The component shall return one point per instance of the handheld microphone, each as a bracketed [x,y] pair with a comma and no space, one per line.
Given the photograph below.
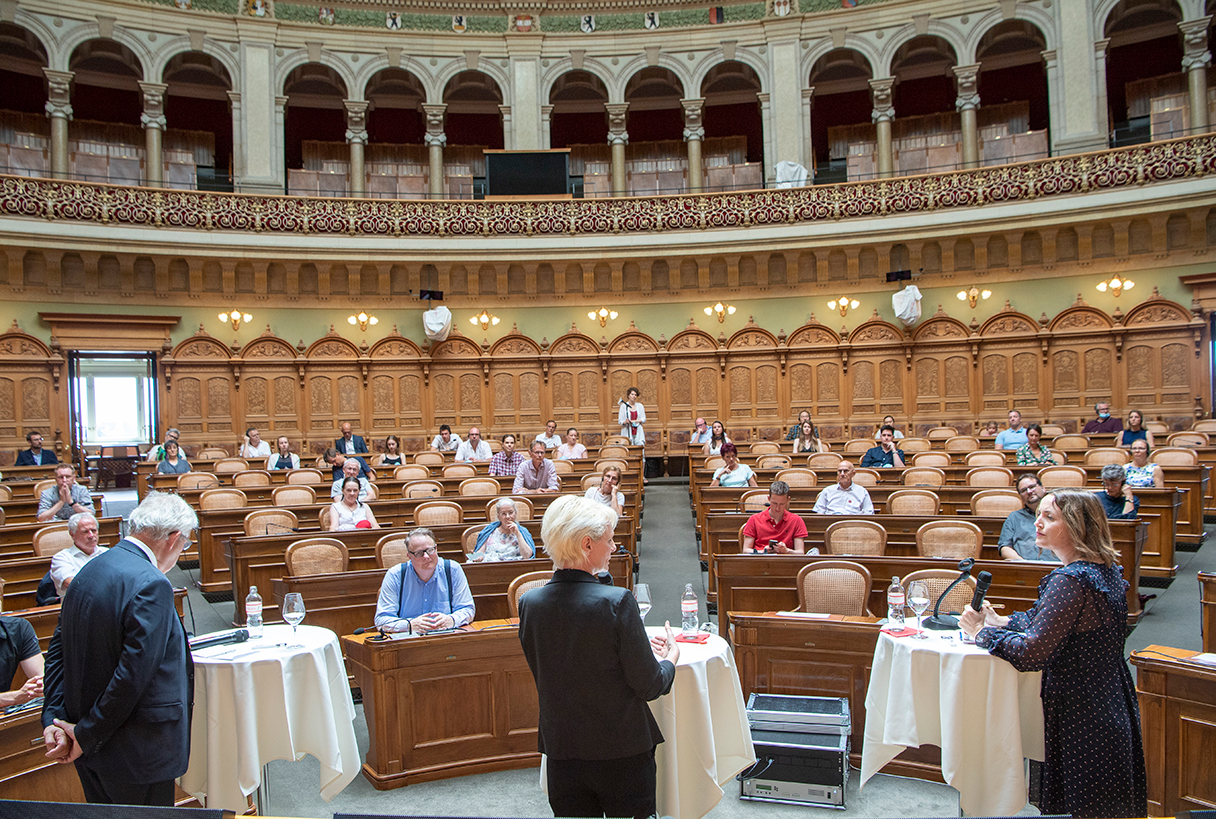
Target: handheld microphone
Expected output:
[982,582]
[221,638]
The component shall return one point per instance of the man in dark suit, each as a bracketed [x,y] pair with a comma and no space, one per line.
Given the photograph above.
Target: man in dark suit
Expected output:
[119,679]
[35,455]
[595,671]
[350,444]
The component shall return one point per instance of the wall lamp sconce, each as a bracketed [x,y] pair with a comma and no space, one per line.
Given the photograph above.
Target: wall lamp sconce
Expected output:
[602,315]
[845,303]
[1115,285]
[236,318]
[484,320]
[722,311]
[974,295]
[363,321]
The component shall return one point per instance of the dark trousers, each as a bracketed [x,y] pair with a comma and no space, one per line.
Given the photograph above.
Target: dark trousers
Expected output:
[603,787]
[106,791]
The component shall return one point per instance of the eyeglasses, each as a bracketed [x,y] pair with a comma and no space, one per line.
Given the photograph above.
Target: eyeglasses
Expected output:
[427,552]
[1029,488]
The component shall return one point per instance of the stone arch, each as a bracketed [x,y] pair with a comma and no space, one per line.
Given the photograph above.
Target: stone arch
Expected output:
[372,66]
[639,64]
[990,20]
[825,46]
[1105,8]
[104,50]
[490,68]
[300,58]
[91,31]
[702,68]
[56,56]
[562,67]
[938,29]
[182,45]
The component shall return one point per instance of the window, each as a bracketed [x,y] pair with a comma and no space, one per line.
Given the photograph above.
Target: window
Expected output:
[114,397]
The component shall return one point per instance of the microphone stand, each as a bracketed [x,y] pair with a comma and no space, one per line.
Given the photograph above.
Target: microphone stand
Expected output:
[944,622]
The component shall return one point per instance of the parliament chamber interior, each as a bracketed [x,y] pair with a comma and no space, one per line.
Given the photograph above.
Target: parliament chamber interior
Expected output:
[290,217]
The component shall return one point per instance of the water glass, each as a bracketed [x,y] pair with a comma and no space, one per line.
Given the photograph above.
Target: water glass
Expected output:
[641,591]
[293,609]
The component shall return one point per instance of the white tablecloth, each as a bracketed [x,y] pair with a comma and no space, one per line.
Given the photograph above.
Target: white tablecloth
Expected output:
[278,697]
[982,713]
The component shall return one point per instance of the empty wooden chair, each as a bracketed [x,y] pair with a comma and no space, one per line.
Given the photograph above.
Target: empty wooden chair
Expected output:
[604,463]
[797,476]
[1059,456]
[1070,441]
[479,486]
[270,522]
[211,453]
[834,587]
[990,476]
[954,539]
[323,518]
[773,462]
[1191,439]
[293,496]
[412,472]
[941,433]
[1205,425]
[495,446]
[824,460]
[197,480]
[1103,455]
[909,445]
[962,443]
[415,490]
[857,446]
[563,467]
[714,463]
[6,494]
[459,471]
[614,451]
[762,448]
[391,550]
[45,484]
[1175,456]
[316,555]
[985,457]
[523,508]
[939,459]
[995,503]
[50,539]
[223,498]
[2,518]
[938,580]
[429,459]
[617,440]
[914,503]
[923,476]
[1055,476]
[1052,430]
[524,584]
[228,466]
[855,537]
[1157,427]
[306,476]
[866,477]
[753,500]
[251,477]
[438,513]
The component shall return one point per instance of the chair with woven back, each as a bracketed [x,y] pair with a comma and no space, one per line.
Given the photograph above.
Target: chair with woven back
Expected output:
[753,500]
[589,481]
[954,539]
[1175,456]
[251,477]
[985,457]
[391,550]
[857,446]
[197,480]
[995,503]
[614,451]
[45,484]
[524,584]
[923,476]
[460,471]
[6,494]
[523,509]
[1103,455]
[373,492]
[715,462]
[765,448]
[479,486]
[1070,441]
[774,462]
[411,472]
[824,460]
[617,440]
[317,555]
[1205,425]
[415,490]
[230,466]
[293,496]
[495,445]
[914,503]
[938,580]
[1056,476]
[866,476]
[438,513]
[855,537]
[938,459]
[1052,430]
[429,459]
[306,476]
[915,444]
[1157,427]
[797,476]
[270,522]
[563,467]
[50,539]
[941,433]
[468,538]
[834,587]
[962,443]
[1191,439]
[223,498]
[211,453]
[990,476]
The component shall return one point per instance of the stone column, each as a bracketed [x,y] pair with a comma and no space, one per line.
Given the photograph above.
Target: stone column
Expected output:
[59,109]
[508,128]
[967,103]
[884,112]
[808,152]
[694,134]
[618,138]
[767,139]
[435,140]
[153,120]
[356,138]
[1195,61]
[238,157]
[546,125]
[1055,95]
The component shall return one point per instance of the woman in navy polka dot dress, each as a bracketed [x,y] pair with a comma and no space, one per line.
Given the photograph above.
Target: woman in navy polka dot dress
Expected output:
[1074,633]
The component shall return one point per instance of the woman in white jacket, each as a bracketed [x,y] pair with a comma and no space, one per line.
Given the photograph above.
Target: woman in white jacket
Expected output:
[632,416]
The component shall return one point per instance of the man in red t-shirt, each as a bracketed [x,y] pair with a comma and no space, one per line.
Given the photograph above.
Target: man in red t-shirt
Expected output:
[775,529]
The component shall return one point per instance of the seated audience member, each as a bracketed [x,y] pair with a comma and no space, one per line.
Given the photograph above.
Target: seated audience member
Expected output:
[717,438]
[572,449]
[252,445]
[1116,496]
[445,441]
[174,463]
[990,430]
[885,454]
[1103,423]
[733,474]
[607,492]
[349,443]
[505,463]
[1135,431]
[474,449]
[1032,452]
[65,498]
[1139,472]
[700,433]
[889,421]
[537,475]
[158,452]
[349,511]
[1013,437]
[424,593]
[19,649]
[844,497]
[504,539]
[808,440]
[341,463]
[35,455]
[283,458]
[392,453]
[1018,536]
[550,438]
[803,417]
[775,529]
[82,527]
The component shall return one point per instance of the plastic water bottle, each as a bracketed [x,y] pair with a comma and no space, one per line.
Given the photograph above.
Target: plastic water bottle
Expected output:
[688,608]
[253,613]
[895,604]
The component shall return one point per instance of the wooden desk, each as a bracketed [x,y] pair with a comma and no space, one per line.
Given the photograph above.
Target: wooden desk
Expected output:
[1207,609]
[25,771]
[17,539]
[1178,723]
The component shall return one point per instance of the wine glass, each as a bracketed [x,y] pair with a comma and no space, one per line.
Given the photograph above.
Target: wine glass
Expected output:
[918,599]
[642,592]
[293,609]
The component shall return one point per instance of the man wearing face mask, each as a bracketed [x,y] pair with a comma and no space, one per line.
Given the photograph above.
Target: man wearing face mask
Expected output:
[1103,423]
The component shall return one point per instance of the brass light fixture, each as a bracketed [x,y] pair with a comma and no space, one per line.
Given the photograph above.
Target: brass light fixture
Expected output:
[722,311]
[484,320]
[1116,285]
[602,315]
[236,318]
[363,320]
[974,295]
[845,303]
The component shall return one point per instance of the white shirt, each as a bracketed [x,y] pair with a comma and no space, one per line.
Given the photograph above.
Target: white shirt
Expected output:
[549,441]
[466,452]
[67,562]
[453,443]
[836,501]
[262,450]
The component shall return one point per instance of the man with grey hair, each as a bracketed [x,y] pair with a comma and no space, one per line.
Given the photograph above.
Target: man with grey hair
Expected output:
[774,529]
[1116,496]
[119,681]
[424,593]
[68,562]
[537,475]
[595,671]
[351,468]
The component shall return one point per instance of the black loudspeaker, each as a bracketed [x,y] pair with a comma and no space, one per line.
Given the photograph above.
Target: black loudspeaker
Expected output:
[18,809]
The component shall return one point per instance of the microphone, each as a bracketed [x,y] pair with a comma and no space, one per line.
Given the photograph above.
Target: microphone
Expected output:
[944,622]
[366,629]
[982,582]
[221,638]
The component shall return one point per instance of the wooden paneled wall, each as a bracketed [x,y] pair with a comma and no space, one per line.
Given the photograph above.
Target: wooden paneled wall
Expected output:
[940,372]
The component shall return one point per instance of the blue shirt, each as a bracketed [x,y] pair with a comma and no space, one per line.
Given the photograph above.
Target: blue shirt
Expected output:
[877,456]
[397,604]
[1011,438]
[1114,506]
